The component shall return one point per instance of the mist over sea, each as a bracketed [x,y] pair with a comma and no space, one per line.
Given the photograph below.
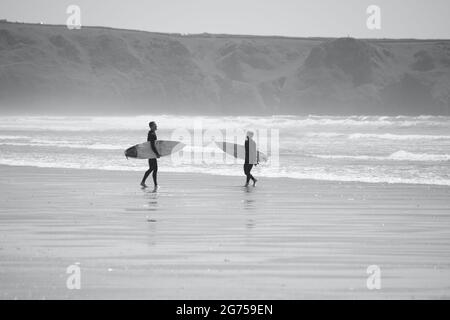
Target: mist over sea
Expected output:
[373,149]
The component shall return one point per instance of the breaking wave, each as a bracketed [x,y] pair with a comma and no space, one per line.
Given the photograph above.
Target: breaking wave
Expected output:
[396,156]
[170,122]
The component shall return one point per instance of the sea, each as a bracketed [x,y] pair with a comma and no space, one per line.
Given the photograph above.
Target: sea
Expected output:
[373,149]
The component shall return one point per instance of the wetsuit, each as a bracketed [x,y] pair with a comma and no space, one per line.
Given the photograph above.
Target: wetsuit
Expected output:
[152,163]
[250,158]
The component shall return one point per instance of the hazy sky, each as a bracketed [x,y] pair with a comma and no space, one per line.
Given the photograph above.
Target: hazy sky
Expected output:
[400,18]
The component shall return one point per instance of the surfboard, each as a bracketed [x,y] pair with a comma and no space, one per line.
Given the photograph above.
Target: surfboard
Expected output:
[238,151]
[144,150]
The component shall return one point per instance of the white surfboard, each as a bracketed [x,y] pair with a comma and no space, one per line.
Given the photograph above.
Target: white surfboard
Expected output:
[144,150]
[238,151]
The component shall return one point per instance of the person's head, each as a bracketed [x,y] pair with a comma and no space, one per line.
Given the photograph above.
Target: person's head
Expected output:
[250,134]
[153,125]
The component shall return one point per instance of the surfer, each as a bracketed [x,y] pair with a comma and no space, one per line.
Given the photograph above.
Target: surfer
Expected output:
[152,163]
[251,158]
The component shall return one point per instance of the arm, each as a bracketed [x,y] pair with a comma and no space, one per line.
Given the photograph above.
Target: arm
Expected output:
[152,138]
[256,152]
[152,144]
[257,157]
[246,150]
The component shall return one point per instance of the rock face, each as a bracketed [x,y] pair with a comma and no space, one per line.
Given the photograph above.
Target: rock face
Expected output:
[50,69]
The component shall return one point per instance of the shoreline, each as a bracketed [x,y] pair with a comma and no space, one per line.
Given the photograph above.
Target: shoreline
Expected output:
[208,174]
[200,237]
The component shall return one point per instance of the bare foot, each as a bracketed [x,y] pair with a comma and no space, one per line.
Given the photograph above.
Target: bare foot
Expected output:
[143,185]
[254,182]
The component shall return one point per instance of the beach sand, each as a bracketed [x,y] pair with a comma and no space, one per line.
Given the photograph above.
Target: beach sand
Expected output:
[207,237]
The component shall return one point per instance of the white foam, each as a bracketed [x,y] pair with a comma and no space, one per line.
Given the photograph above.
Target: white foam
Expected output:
[7,137]
[306,174]
[396,156]
[371,179]
[170,122]
[388,136]
[64,144]
[324,134]
[408,156]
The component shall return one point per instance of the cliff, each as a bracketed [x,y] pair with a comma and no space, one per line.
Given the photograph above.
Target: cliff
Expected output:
[95,70]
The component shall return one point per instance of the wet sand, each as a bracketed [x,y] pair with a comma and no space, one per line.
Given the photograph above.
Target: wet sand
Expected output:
[207,237]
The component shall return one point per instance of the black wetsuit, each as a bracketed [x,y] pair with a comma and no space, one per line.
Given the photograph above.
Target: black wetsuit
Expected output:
[250,146]
[152,163]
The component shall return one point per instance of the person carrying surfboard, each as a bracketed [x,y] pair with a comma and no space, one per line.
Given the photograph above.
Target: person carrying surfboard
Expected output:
[251,158]
[152,163]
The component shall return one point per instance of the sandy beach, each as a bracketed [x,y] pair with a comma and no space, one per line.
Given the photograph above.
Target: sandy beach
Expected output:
[207,237]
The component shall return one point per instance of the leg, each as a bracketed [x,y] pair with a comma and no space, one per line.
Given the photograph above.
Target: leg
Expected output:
[154,167]
[251,176]
[247,173]
[147,173]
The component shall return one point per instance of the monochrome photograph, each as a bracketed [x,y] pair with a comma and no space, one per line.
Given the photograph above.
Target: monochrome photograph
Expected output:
[224,150]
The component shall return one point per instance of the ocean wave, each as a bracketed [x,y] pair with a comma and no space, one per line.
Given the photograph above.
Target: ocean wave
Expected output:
[389,136]
[306,174]
[324,134]
[7,137]
[396,156]
[99,146]
[408,156]
[383,136]
[68,144]
[171,122]
[371,179]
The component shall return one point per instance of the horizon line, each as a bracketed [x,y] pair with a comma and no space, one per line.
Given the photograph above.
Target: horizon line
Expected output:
[207,34]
